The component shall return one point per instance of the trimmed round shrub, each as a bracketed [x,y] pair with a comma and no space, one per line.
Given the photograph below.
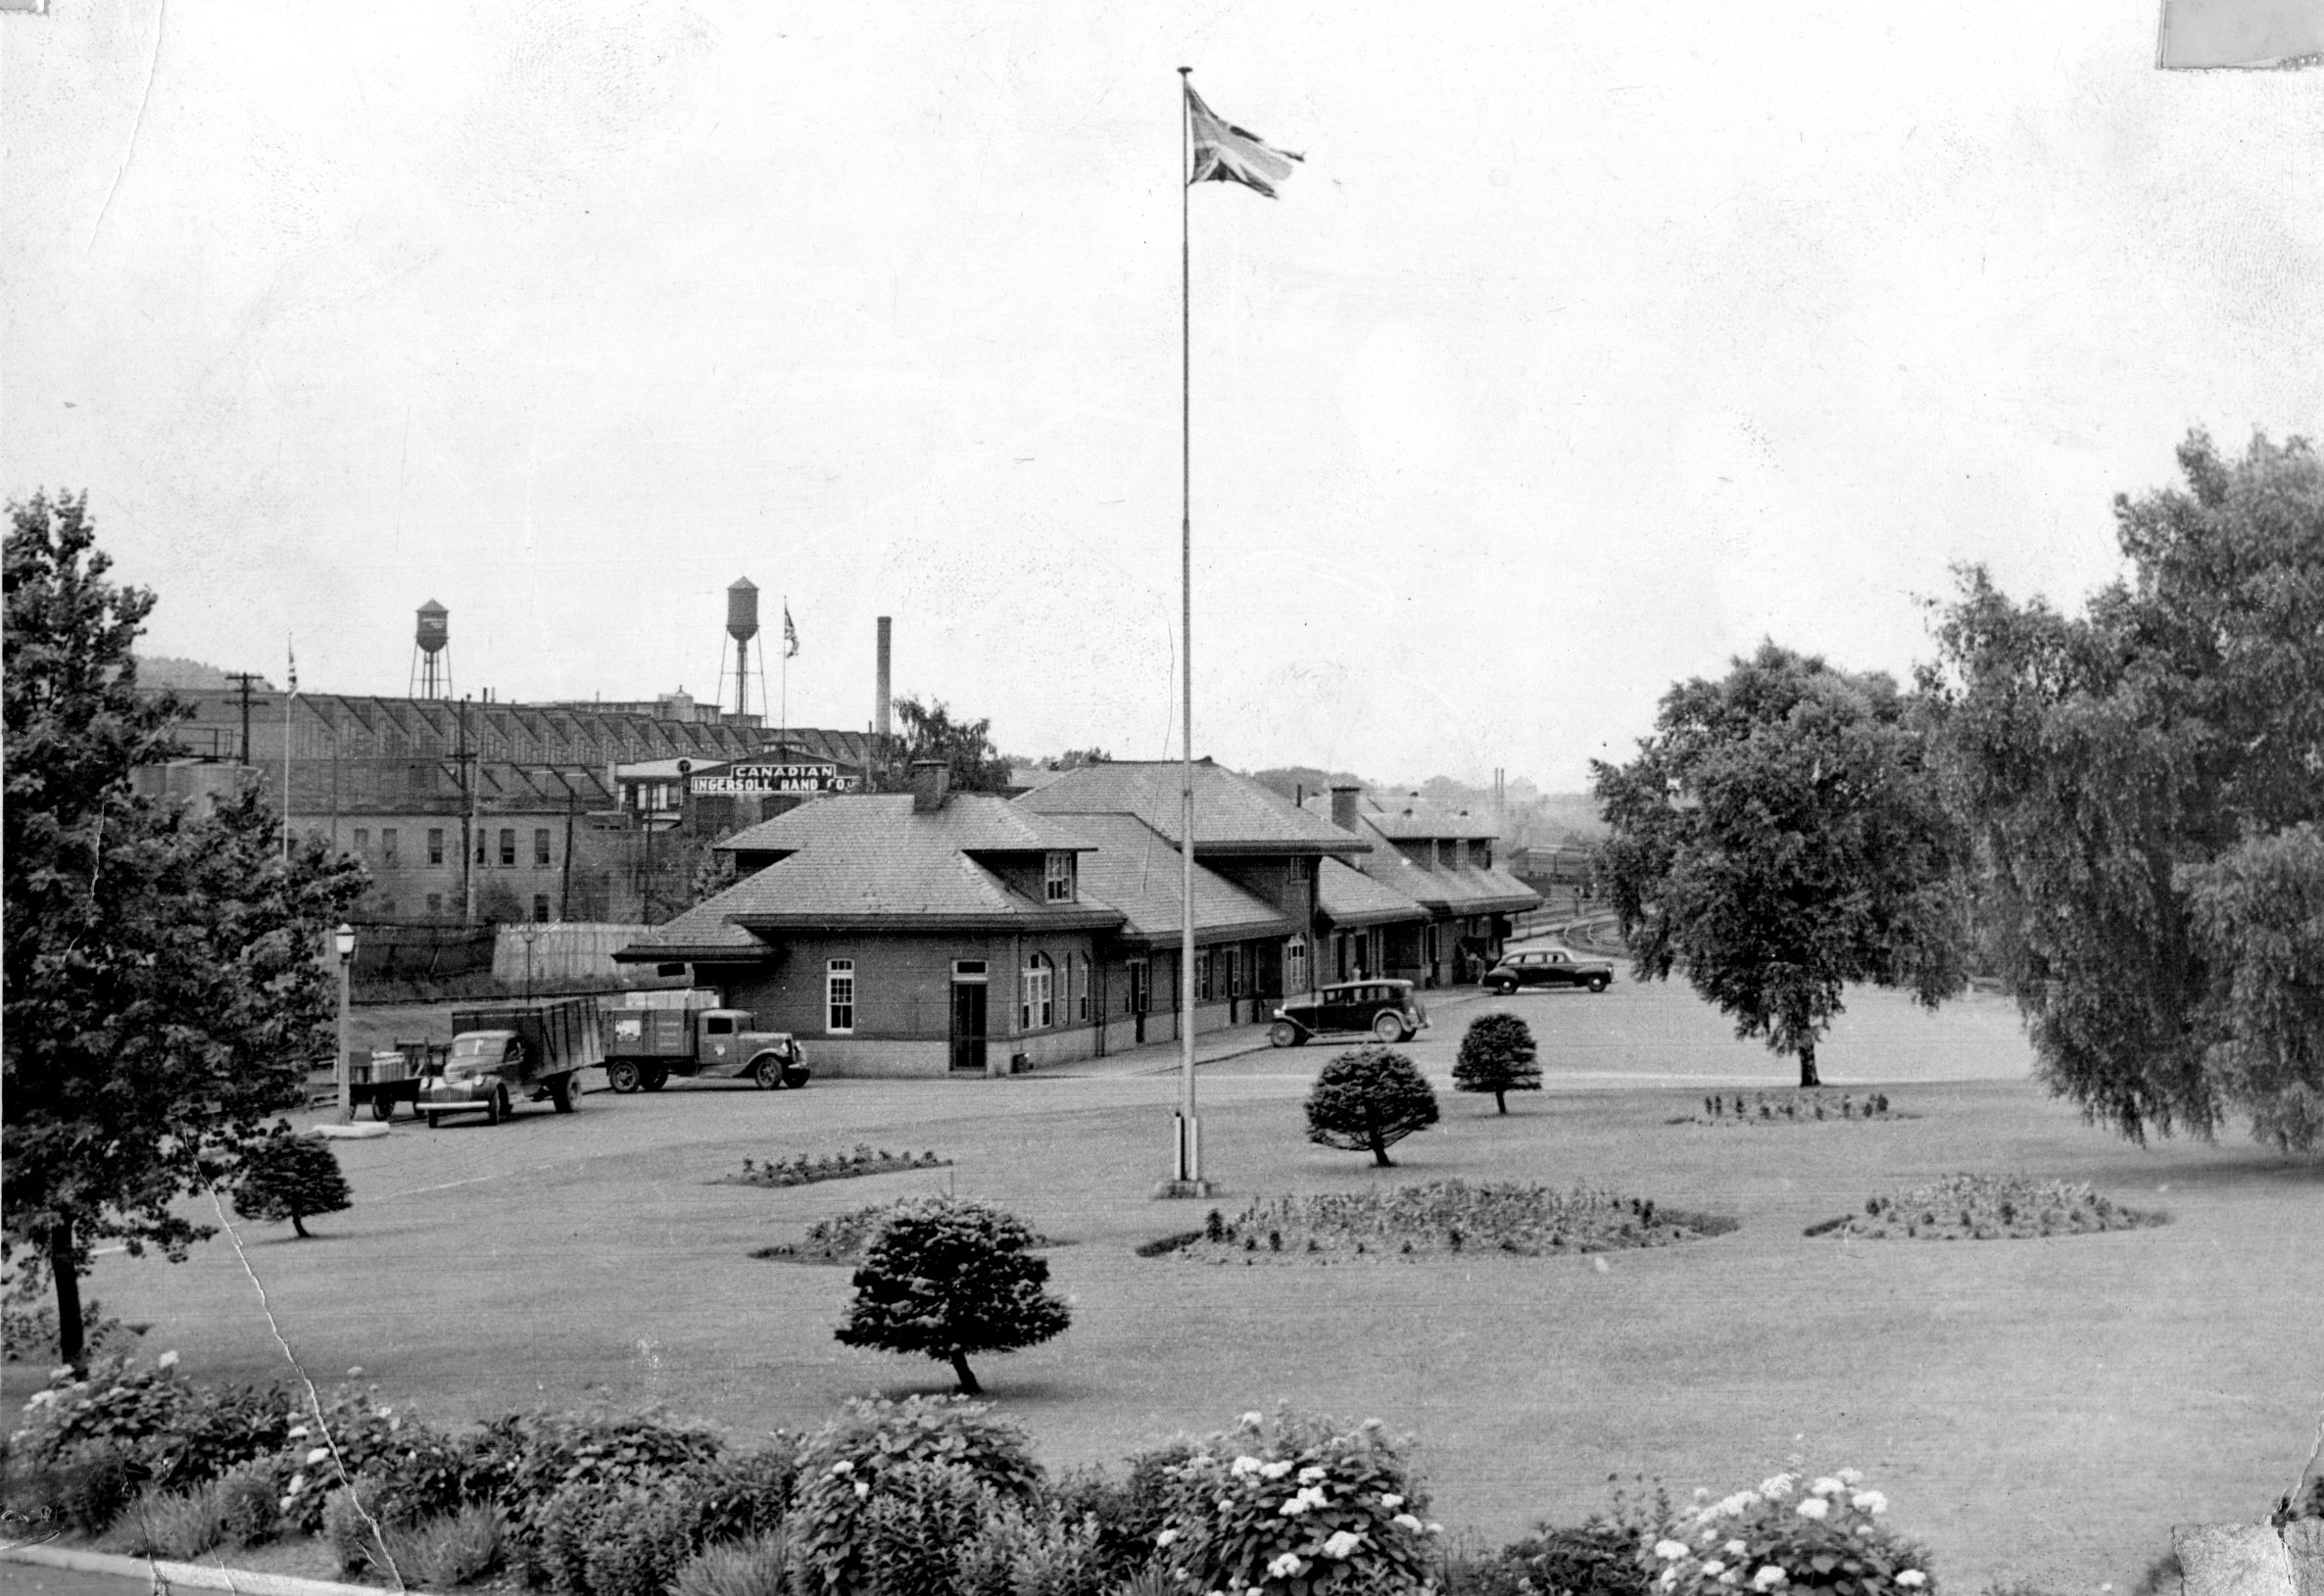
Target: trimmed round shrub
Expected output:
[946,1278]
[1497,1055]
[290,1176]
[1369,1099]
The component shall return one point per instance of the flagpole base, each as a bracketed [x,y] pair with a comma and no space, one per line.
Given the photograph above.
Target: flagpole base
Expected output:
[1186,1179]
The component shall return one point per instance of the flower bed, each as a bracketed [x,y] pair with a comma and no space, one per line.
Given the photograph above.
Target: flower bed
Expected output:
[1781,1536]
[843,1238]
[1988,1208]
[1440,1217]
[1790,1108]
[847,1166]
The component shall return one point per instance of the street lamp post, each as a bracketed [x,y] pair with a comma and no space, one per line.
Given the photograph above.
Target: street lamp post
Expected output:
[343,940]
[531,930]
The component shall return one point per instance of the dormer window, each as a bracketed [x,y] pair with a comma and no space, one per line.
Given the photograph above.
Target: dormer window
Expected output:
[1058,878]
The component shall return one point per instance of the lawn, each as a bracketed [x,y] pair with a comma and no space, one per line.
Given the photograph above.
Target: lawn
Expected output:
[2040,1409]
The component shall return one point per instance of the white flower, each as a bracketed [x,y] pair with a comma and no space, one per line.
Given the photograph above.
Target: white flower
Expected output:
[1253,1418]
[1852,1477]
[1293,1506]
[1670,1550]
[1277,1469]
[286,1504]
[1715,1567]
[1911,1578]
[1436,1528]
[1310,1475]
[298,1484]
[1405,1521]
[1284,1567]
[61,1372]
[1246,1466]
[1341,1544]
[296,1432]
[1815,1507]
[1390,1500]
[321,1454]
[41,1399]
[357,1373]
[1829,1487]
[1166,1537]
[1868,1502]
[1734,1548]
[168,1360]
[842,1467]
[862,1489]
[1776,1485]
[1768,1578]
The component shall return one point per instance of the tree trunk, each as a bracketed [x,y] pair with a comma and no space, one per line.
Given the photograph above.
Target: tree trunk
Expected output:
[70,1333]
[1808,1075]
[297,1224]
[1379,1151]
[1501,1101]
[968,1378]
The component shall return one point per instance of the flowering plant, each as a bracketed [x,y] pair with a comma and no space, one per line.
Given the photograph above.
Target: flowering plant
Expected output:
[1789,1533]
[1295,1505]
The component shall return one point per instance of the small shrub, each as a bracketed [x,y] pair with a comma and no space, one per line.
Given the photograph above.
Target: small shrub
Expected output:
[1296,1502]
[918,1528]
[519,1462]
[247,1505]
[449,1549]
[1369,1099]
[641,1536]
[948,1277]
[1826,1536]
[179,1525]
[744,1495]
[1045,1552]
[287,1176]
[846,1465]
[757,1566]
[1497,1055]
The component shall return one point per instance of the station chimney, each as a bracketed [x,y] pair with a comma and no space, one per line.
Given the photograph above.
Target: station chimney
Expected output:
[741,624]
[432,670]
[880,723]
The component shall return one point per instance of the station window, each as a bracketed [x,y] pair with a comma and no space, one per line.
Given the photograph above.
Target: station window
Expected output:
[508,845]
[838,992]
[1058,878]
[1077,970]
[541,908]
[1203,964]
[435,845]
[1295,965]
[1037,994]
[362,838]
[540,845]
[387,844]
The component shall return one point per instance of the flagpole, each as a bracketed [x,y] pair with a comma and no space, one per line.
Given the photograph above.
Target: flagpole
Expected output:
[291,653]
[782,679]
[1190,1181]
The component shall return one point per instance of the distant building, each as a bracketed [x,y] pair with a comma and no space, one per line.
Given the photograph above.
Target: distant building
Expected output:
[1443,861]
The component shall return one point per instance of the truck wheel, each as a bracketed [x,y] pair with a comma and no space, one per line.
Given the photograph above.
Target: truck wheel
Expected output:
[496,1106]
[383,1108]
[624,1077]
[794,1076]
[655,1080]
[435,1121]
[566,1094]
[768,1072]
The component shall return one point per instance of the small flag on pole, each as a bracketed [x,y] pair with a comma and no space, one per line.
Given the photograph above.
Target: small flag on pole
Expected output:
[1227,154]
[790,633]
[292,650]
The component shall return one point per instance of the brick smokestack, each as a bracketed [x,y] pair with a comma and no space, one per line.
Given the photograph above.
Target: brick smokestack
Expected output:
[880,724]
[930,776]
[1343,806]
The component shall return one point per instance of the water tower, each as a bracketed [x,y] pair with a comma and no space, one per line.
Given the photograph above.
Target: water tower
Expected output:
[431,666]
[741,624]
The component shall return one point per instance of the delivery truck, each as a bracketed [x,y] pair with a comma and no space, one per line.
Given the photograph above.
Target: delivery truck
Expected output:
[645,1046]
[514,1052]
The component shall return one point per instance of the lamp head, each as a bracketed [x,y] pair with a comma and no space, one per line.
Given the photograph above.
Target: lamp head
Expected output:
[343,940]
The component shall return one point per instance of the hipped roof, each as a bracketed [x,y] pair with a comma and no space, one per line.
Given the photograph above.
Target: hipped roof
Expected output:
[1232,814]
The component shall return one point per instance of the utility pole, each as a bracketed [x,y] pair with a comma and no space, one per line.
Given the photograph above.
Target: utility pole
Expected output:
[467,820]
[242,679]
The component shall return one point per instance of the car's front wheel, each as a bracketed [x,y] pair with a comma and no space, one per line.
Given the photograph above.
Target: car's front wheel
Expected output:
[1597,983]
[1390,1027]
[1283,1033]
[1505,987]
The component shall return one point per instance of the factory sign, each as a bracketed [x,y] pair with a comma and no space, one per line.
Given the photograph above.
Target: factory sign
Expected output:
[800,778]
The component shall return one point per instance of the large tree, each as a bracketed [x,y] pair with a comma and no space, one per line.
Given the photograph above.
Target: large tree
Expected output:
[1780,837]
[929,731]
[2147,784]
[165,988]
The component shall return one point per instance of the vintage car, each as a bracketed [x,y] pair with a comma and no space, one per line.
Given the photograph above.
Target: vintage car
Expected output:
[1384,1009]
[1548,967]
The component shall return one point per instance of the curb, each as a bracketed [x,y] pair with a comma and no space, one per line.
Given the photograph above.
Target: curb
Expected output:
[160,1575]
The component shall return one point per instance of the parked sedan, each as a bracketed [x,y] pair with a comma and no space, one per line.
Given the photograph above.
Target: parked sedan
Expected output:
[1548,967]
[1384,1009]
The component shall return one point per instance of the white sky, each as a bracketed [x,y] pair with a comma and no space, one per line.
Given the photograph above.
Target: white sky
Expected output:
[1593,342]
